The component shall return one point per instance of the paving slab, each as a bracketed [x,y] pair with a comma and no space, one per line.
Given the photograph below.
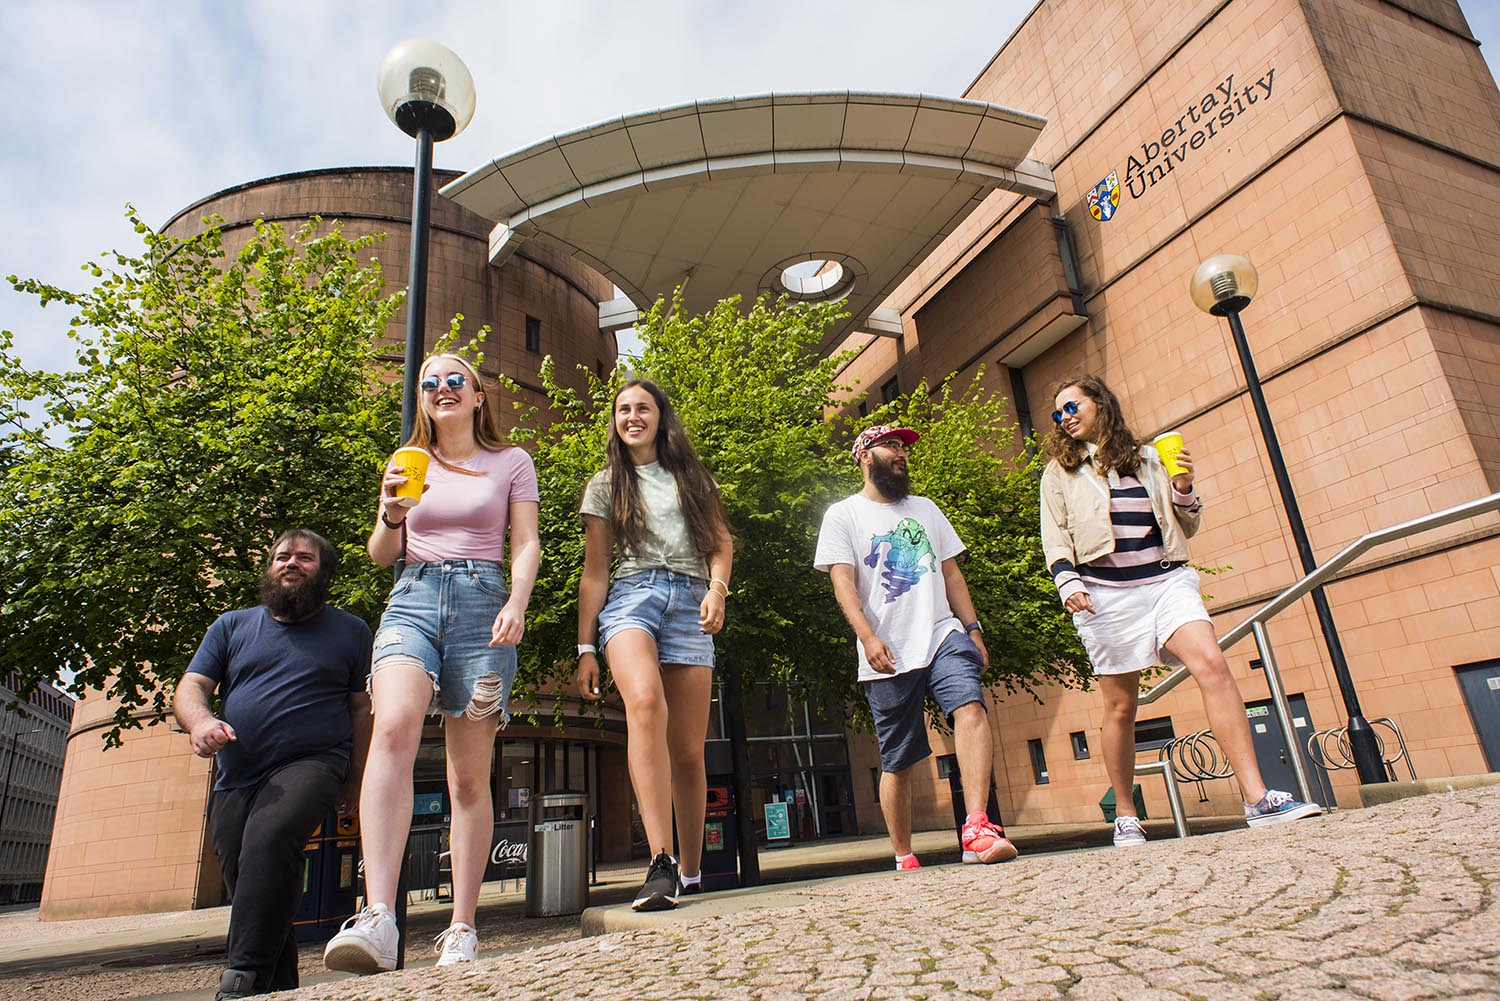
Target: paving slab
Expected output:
[1395,901]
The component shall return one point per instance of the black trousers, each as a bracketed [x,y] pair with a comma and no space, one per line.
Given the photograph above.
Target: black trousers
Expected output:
[259,833]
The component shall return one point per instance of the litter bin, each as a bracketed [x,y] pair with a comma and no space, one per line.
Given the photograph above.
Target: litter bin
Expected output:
[721,842]
[1107,804]
[557,855]
[330,865]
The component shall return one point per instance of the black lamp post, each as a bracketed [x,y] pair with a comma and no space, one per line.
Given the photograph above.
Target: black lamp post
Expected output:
[1224,285]
[428,92]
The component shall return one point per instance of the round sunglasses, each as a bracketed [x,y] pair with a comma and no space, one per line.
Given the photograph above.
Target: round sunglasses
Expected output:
[1070,408]
[454,381]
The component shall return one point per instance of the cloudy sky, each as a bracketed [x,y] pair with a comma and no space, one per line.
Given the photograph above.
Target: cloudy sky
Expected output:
[159,103]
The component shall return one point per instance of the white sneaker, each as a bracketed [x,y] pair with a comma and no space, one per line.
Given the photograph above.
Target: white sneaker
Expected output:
[459,943]
[1128,832]
[366,944]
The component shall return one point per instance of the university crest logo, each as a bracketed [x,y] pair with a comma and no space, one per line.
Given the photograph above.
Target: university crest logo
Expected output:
[1105,198]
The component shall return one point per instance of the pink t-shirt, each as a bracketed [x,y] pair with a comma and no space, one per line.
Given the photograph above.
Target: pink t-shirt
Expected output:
[464,517]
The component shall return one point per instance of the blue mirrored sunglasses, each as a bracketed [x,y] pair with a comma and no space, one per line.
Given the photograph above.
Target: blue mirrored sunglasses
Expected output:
[1070,408]
[455,382]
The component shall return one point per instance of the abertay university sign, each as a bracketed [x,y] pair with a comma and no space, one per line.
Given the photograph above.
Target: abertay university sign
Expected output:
[1201,122]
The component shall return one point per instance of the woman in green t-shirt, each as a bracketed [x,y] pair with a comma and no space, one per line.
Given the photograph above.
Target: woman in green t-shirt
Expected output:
[656,508]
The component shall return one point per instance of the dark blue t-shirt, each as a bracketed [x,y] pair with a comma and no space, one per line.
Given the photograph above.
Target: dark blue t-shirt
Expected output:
[284,686]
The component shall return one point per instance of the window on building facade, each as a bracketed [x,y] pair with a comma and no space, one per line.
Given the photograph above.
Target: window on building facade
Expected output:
[1038,762]
[533,335]
[1080,745]
[947,765]
[1153,733]
[890,390]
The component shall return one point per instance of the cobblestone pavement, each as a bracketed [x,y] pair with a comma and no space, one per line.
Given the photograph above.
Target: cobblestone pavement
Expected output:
[193,969]
[1393,902]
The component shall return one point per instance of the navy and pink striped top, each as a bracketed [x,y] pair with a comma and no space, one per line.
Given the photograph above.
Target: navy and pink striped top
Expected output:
[1139,557]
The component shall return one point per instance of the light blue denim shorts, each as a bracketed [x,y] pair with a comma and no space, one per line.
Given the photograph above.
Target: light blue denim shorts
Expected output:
[442,614]
[664,604]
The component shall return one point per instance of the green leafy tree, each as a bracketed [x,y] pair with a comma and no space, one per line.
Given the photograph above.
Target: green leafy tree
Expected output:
[755,396]
[216,400]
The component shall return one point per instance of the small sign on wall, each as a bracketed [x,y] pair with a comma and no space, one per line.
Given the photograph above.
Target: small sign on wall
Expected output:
[778,822]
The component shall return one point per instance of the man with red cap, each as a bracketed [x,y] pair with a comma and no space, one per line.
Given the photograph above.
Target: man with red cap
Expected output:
[893,560]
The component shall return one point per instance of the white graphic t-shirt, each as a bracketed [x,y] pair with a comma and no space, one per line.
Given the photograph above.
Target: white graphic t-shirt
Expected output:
[897,551]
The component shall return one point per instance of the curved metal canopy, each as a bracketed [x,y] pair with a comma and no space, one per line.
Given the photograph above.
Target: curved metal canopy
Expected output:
[721,197]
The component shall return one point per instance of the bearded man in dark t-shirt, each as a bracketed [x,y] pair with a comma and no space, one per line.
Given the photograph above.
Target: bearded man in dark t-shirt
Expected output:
[290,736]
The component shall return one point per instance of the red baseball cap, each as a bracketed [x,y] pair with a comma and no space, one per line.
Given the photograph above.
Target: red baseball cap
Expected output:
[869,436]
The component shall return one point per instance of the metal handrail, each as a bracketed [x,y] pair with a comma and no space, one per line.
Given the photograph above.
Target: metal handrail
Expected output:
[1347,555]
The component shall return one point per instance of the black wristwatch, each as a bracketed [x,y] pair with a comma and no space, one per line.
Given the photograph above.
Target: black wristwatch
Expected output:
[974,627]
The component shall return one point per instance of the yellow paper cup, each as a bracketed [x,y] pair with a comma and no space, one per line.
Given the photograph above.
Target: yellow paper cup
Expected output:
[413,463]
[1167,446]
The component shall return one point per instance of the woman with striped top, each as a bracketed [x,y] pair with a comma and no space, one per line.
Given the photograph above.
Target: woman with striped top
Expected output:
[1115,530]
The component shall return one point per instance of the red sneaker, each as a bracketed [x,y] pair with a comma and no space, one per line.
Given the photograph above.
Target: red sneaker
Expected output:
[982,841]
[909,862]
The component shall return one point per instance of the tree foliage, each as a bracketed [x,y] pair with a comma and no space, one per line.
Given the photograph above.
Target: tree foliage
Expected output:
[755,397]
[216,400]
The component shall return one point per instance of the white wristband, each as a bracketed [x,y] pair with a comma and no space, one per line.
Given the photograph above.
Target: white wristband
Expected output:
[584,648]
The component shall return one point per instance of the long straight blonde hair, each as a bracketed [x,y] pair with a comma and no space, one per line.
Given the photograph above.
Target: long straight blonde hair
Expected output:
[487,430]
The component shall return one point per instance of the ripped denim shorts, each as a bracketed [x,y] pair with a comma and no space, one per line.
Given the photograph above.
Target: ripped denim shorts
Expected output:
[442,615]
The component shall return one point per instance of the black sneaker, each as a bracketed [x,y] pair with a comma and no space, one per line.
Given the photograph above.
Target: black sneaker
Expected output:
[659,892]
[691,889]
[235,984]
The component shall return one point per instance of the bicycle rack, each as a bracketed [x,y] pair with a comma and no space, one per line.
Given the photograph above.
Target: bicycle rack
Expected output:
[1196,757]
[1330,748]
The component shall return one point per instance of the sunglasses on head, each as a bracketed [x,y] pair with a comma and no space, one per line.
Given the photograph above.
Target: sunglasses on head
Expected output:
[1070,408]
[455,381]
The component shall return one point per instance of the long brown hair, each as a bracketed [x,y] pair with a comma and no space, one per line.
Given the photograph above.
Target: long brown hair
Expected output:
[1117,446]
[486,418]
[702,510]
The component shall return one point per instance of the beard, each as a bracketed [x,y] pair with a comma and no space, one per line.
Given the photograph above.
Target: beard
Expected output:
[892,483]
[295,597]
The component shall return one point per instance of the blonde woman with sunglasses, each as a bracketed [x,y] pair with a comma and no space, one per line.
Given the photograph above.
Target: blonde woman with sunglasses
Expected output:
[446,645]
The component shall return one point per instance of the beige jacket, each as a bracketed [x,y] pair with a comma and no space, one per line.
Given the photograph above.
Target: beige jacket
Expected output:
[1075,512]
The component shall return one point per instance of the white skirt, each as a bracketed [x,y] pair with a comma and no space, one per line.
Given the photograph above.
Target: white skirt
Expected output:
[1129,627]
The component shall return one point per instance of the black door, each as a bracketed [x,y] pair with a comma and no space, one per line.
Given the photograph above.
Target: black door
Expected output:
[1271,747]
[1481,687]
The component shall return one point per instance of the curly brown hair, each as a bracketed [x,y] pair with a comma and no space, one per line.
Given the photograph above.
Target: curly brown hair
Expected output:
[1117,446]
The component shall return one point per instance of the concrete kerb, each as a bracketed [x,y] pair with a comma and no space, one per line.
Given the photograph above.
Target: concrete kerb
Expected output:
[1388,792]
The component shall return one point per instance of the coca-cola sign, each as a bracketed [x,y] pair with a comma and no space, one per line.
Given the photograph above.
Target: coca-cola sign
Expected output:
[507,852]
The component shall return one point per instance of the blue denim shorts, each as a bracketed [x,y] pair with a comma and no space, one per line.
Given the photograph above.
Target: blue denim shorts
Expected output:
[664,604]
[443,614]
[899,702]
